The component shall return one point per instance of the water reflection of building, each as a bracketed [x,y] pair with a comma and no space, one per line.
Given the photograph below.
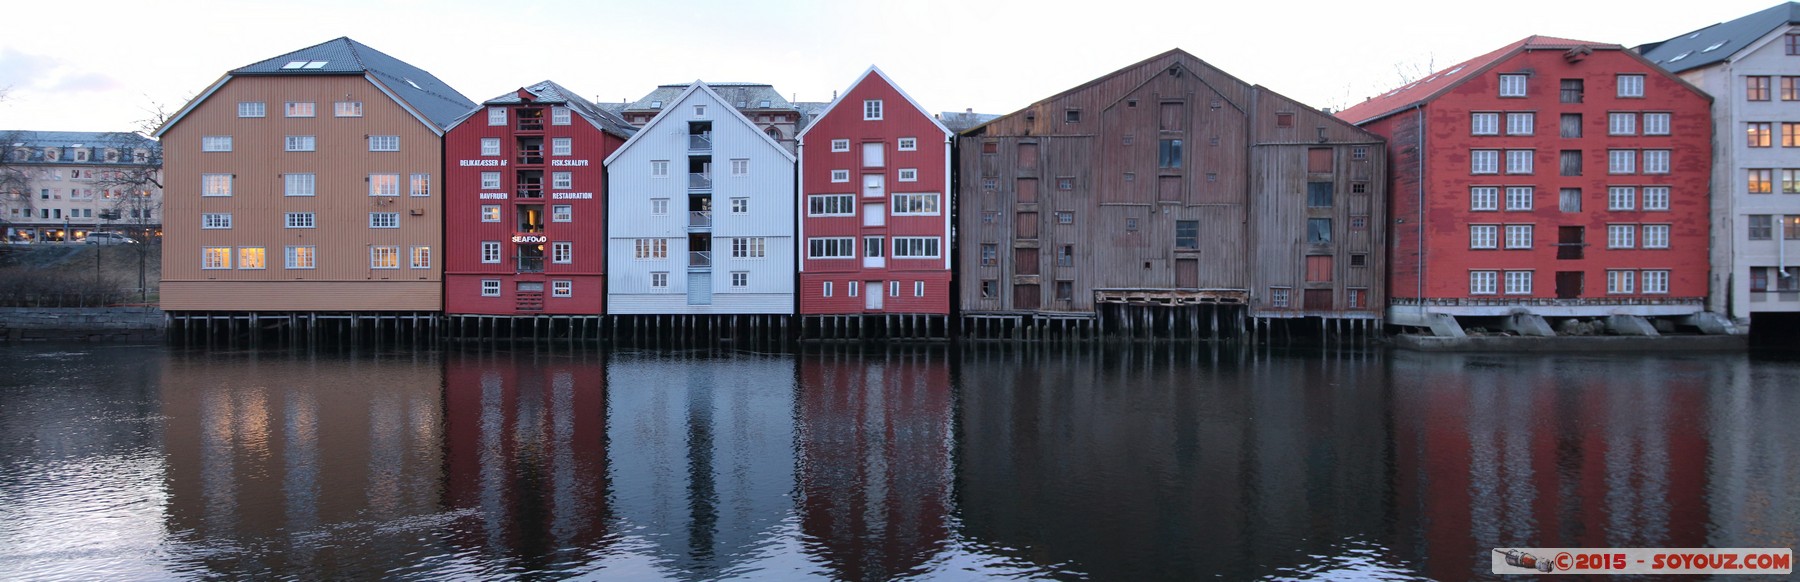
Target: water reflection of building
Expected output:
[700,453]
[525,449]
[875,473]
[1753,471]
[1503,450]
[307,454]
[1170,464]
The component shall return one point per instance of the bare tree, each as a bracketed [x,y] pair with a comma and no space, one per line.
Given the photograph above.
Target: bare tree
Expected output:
[134,187]
[15,181]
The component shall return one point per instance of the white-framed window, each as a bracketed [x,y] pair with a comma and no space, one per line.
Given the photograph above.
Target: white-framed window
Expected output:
[1519,161]
[490,146]
[740,205]
[419,185]
[749,247]
[1512,85]
[1484,161]
[301,143]
[740,167]
[1656,123]
[918,288]
[699,110]
[384,257]
[562,213]
[490,251]
[1656,282]
[298,184]
[1483,282]
[562,252]
[854,286]
[1656,161]
[1621,198]
[490,213]
[920,204]
[1484,198]
[825,289]
[831,248]
[874,154]
[215,220]
[252,109]
[1656,236]
[384,143]
[740,279]
[1518,282]
[874,246]
[659,168]
[1621,123]
[301,257]
[831,205]
[562,288]
[347,109]
[490,180]
[916,247]
[490,287]
[908,144]
[1621,161]
[1621,236]
[300,109]
[1656,198]
[893,288]
[840,145]
[1520,123]
[909,174]
[562,146]
[1631,85]
[1621,282]
[559,115]
[299,220]
[872,110]
[496,115]
[1483,236]
[652,249]
[384,184]
[562,180]
[1518,236]
[215,184]
[215,143]
[215,257]
[659,279]
[659,206]
[420,257]
[384,220]
[1519,197]
[840,175]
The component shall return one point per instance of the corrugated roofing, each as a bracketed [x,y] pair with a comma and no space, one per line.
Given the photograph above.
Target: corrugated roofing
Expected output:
[342,56]
[1718,42]
[552,93]
[96,142]
[958,121]
[740,95]
[1424,89]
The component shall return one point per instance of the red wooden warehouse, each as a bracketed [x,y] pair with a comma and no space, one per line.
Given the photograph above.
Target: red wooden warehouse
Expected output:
[875,209]
[525,206]
[1547,187]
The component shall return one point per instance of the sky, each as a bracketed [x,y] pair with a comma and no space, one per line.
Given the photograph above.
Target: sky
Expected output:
[104,65]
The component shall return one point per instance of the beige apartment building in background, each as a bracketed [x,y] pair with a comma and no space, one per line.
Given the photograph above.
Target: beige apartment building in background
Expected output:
[308,182]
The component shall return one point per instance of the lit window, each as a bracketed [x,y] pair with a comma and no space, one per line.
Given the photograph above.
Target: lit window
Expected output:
[1759,181]
[1758,134]
[419,185]
[300,109]
[1756,88]
[384,184]
[215,143]
[299,220]
[384,220]
[301,143]
[214,184]
[421,257]
[872,110]
[562,213]
[347,109]
[490,213]
[562,288]
[300,257]
[215,258]
[252,109]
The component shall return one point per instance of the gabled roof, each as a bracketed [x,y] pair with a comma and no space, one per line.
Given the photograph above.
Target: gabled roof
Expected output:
[1435,84]
[550,93]
[92,141]
[959,121]
[664,113]
[751,95]
[1718,42]
[1173,55]
[876,71]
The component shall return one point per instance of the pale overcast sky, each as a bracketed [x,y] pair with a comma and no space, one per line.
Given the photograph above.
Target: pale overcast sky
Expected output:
[98,65]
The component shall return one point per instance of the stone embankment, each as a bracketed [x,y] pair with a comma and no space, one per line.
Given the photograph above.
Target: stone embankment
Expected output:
[80,324]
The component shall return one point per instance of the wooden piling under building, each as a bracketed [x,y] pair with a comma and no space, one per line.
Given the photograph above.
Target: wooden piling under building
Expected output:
[875,327]
[253,329]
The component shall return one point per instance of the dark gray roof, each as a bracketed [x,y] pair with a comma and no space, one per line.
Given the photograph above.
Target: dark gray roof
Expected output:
[95,142]
[553,93]
[1718,42]
[744,96]
[341,56]
[957,121]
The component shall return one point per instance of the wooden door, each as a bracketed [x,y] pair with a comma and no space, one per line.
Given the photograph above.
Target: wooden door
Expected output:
[1317,299]
[1025,261]
[1569,242]
[1568,284]
[872,295]
[1187,273]
[1026,225]
[1026,297]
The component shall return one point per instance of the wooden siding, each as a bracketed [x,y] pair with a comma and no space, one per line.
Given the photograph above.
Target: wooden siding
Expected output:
[297,295]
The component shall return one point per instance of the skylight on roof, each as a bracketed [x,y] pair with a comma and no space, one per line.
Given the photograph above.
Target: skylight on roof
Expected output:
[1715,46]
[656,105]
[410,82]
[316,64]
[1681,56]
[294,65]
[305,65]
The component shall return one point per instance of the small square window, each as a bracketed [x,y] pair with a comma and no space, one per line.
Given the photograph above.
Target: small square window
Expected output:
[1065,183]
[909,175]
[908,144]
[840,145]
[740,279]
[562,213]
[559,115]
[1284,119]
[872,110]
[490,287]
[1073,116]
[562,288]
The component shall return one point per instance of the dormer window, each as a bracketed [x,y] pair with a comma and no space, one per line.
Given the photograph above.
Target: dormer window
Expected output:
[765,104]
[656,105]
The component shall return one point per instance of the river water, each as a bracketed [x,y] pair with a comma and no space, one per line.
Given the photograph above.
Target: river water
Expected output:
[1179,462]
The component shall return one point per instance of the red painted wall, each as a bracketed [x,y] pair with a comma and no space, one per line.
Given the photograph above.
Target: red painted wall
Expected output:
[845,121]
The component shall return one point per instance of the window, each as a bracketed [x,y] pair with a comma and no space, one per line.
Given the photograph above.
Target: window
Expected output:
[215,184]
[1620,236]
[1072,116]
[1518,236]
[1655,282]
[740,167]
[562,252]
[1756,88]
[419,185]
[659,168]
[1520,123]
[299,220]
[1619,282]
[1519,197]
[562,288]
[490,180]
[659,279]
[1359,260]
[490,146]
[833,205]
[490,287]
[649,249]
[1621,198]
[384,184]
[1168,154]
[562,180]
[908,144]
[840,175]
[1518,161]
[1757,134]
[300,143]
[1631,85]
[1278,297]
[1790,88]
[564,213]
[213,221]
[1793,44]
[740,205]
[1762,227]
[215,257]
[490,213]
[840,145]
[1656,236]
[990,255]
[1790,134]
[496,116]
[906,247]
[1318,230]
[1656,198]
[1284,119]
[740,279]
[831,248]
[1518,282]
[1318,194]
[659,206]
[300,257]
[299,109]
[1656,123]
[384,220]
[1512,85]
[384,257]
[873,155]
[1484,161]
[1571,90]
[421,257]
[1484,198]
[1759,181]
[252,109]
[215,143]
[748,248]
[873,246]
[1483,282]
[918,288]
[1484,124]
[1483,236]
[1656,161]
[1621,124]
[490,251]
[916,204]
[347,109]
[1621,161]
[1359,153]
[909,174]
[872,110]
[1065,217]
[562,146]
[991,184]
[298,184]
[559,115]
[1187,233]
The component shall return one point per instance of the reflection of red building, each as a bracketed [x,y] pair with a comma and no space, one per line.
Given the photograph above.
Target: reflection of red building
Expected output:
[875,475]
[525,450]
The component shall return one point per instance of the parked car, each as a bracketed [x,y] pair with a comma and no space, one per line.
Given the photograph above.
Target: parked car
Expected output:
[109,238]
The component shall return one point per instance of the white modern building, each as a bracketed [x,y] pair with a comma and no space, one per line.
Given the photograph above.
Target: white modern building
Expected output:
[700,214]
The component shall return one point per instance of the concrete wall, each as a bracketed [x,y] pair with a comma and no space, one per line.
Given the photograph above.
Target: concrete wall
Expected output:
[80,324]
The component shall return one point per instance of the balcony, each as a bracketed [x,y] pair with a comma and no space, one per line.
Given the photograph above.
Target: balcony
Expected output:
[699,220]
[531,191]
[699,181]
[530,264]
[697,260]
[700,143]
[531,157]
